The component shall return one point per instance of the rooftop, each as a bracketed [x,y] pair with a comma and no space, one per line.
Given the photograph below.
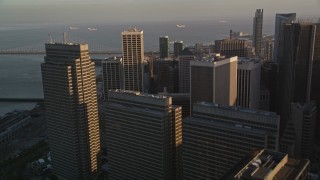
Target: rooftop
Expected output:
[237,108]
[267,164]
[137,93]
[134,29]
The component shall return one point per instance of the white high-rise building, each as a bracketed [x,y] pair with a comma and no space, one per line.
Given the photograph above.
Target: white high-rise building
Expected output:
[133,56]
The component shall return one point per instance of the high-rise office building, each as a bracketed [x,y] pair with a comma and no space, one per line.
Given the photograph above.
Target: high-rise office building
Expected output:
[69,86]
[269,83]
[281,20]
[215,137]
[304,120]
[185,58]
[214,80]
[164,74]
[164,46]
[268,47]
[267,164]
[133,57]
[298,68]
[248,83]
[257,31]
[232,47]
[111,75]
[144,136]
[177,48]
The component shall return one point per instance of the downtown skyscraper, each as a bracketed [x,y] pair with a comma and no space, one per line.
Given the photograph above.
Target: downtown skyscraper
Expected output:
[281,20]
[164,47]
[69,86]
[257,31]
[133,57]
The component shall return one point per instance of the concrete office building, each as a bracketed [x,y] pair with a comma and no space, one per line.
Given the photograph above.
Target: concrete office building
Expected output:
[177,48]
[267,164]
[133,57]
[214,80]
[248,83]
[281,20]
[215,137]
[69,86]
[232,47]
[144,136]
[257,31]
[164,46]
[111,75]
[185,58]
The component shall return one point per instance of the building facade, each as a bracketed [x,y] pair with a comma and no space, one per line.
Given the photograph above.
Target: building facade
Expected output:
[215,137]
[144,136]
[248,83]
[257,31]
[69,87]
[214,80]
[133,57]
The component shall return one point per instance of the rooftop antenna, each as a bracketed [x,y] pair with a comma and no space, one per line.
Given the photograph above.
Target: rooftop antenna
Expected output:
[50,38]
[64,38]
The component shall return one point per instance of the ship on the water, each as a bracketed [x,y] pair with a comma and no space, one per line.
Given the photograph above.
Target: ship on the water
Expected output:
[181,26]
[92,29]
[73,28]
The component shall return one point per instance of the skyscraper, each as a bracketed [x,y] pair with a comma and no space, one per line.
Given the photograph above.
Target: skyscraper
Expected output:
[214,80]
[111,75]
[215,137]
[144,136]
[69,86]
[257,31]
[298,68]
[164,46]
[177,48]
[133,57]
[164,74]
[304,120]
[185,58]
[281,20]
[248,83]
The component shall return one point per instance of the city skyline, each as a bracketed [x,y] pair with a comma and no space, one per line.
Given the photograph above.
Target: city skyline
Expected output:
[140,105]
[142,10]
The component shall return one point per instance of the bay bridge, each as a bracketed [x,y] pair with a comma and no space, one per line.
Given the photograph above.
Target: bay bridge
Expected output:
[39,49]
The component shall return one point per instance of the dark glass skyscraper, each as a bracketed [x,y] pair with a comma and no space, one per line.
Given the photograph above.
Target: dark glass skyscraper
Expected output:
[299,70]
[164,47]
[281,20]
[257,31]
[177,48]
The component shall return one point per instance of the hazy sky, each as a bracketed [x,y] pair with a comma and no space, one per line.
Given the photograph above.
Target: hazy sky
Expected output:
[77,11]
